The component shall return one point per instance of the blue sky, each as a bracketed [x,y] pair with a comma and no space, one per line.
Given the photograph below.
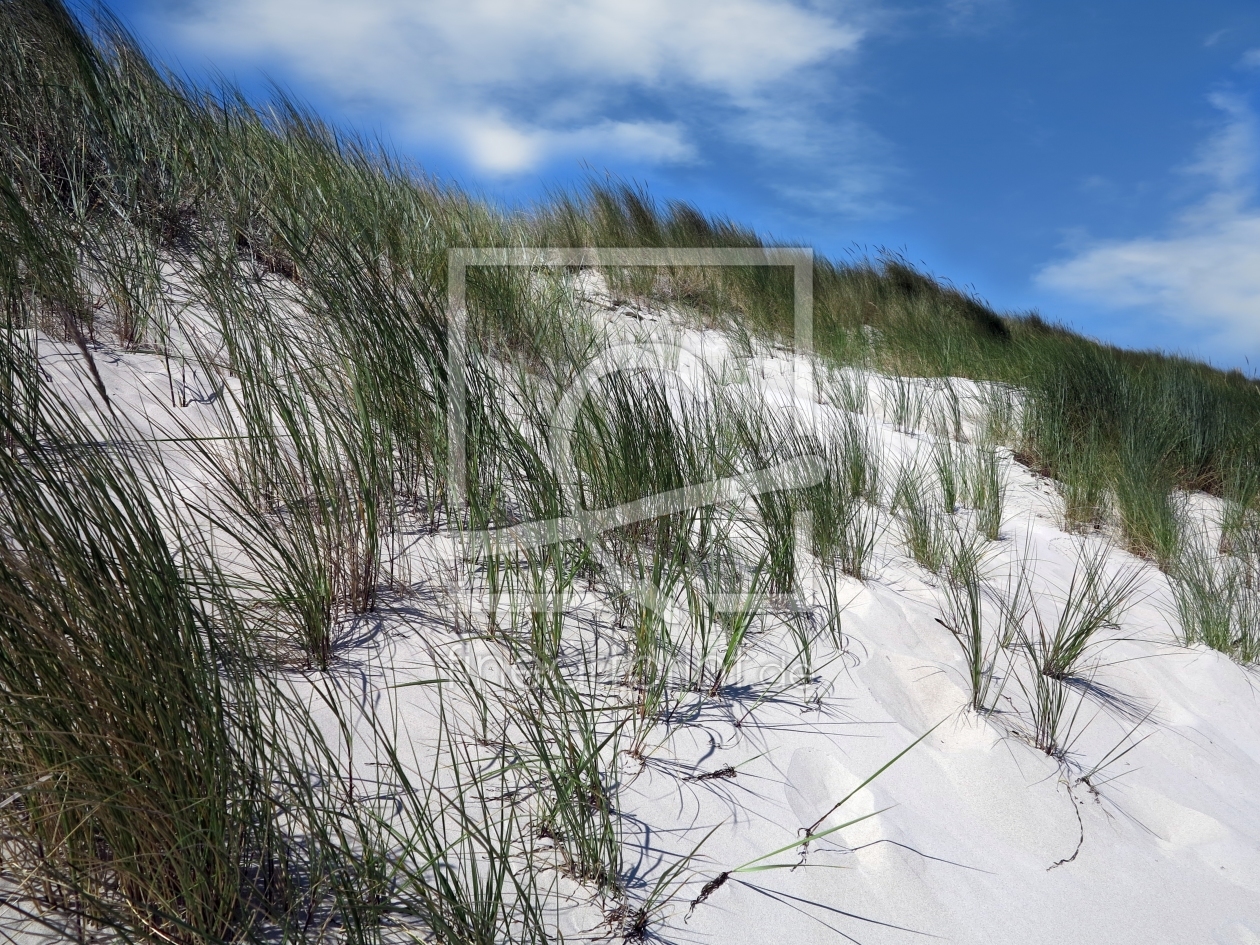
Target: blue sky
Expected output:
[1095,161]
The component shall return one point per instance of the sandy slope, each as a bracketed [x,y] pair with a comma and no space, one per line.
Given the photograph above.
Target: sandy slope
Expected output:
[979,837]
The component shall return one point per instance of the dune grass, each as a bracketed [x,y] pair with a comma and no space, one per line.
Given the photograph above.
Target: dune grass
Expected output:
[159,789]
[1216,601]
[1094,600]
[964,614]
[844,508]
[925,523]
[1054,646]
[128,767]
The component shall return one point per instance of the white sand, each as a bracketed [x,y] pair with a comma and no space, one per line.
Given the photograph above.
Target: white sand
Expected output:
[981,838]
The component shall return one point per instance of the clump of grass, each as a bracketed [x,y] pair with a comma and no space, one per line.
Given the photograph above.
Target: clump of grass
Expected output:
[925,529]
[20,385]
[998,414]
[764,439]
[132,766]
[309,509]
[444,852]
[860,530]
[971,476]
[1015,600]
[1083,484]
[858,462]
[550,576]
[964,618]
[737,623]
[1149,511]
[904,404]
[844,513]
[634,921]
[1240,518]
[1094,601]
[949,474]
[1054,653]
[986,490]
[455,865]
[567,752]
[1216,603]
[947,411]
[1048,699]
[849,390]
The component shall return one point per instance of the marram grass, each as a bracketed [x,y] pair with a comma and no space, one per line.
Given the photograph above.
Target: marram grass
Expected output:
[159,789]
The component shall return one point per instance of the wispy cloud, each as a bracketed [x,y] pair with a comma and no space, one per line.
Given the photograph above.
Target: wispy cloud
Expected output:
[976,16]
[496,144]
[512,84]
[836,166]
[1204,270]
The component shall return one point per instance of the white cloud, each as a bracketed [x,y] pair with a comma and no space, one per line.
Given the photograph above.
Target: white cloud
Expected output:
[515,82]
[1204,271]
[496,145]
[839,166]
[1250,59]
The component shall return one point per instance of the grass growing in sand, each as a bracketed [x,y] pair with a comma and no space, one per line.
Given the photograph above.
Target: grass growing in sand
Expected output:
[192,775]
